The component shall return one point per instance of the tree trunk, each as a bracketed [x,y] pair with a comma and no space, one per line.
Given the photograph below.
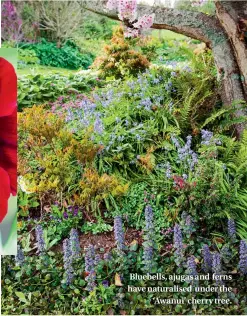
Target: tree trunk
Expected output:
[233,17]
[221,33]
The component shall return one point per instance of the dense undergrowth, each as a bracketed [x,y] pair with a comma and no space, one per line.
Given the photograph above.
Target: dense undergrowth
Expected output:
[153,150]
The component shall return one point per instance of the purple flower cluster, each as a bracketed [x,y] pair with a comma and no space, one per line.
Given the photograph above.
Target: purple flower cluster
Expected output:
[191,269]
[119,233]
[149,244]
[185,154]
[231,229]
[74,243]
[207,138]
[90,268]
[168,170]
[19,258]
[178,245]
[217,268]
[207,259]
[243,257]
[146,103]
[67,261]
[40,239]
[98,125]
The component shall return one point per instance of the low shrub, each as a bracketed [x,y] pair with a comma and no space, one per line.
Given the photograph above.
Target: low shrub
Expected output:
[67,56]
[121,59]
[27,58]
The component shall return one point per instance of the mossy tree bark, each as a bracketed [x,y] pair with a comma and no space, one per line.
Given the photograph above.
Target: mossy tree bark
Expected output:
[223,33]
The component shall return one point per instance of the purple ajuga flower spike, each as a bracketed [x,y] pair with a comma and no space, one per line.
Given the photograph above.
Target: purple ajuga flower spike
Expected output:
[67,261]
[216,267]
[149,237]
[19,258]
[40,239]
[74,243]
[191,269]
[90,268]
[207,259]
[119,233]
[243,257]
[231,229]
[178,244]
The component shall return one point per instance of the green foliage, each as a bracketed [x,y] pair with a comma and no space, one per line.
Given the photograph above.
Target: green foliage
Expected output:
[36,283]
[42,89]
[64,165]
[67,56]
[27,58]
[95,26]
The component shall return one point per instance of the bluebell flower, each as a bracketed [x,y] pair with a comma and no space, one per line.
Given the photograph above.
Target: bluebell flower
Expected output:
[98,126]
[168,170]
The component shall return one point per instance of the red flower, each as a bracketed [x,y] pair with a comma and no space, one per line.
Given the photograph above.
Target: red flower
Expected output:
[8,134]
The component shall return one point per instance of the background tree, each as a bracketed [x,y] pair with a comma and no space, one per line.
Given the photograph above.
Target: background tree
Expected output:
[59,19]
[224,33]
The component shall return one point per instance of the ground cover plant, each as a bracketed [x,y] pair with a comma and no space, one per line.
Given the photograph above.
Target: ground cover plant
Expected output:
[129,170]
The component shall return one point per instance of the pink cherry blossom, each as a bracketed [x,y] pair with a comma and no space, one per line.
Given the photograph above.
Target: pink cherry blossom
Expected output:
[131,32]
[144,22]
[127,10]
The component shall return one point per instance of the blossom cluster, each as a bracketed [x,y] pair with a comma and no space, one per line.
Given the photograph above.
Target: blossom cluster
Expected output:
[127,12]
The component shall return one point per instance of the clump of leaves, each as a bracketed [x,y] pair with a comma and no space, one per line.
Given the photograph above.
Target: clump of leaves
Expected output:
[60,163]
[120,58]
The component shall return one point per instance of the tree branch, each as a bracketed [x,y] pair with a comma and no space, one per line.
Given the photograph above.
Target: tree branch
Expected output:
[196,25]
